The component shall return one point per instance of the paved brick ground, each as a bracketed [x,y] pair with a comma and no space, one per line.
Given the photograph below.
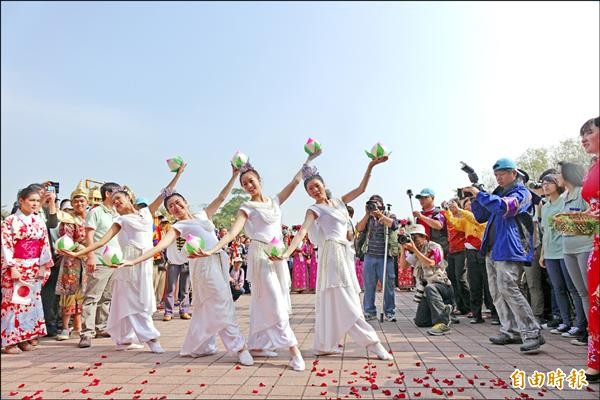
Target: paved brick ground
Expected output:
[462,364]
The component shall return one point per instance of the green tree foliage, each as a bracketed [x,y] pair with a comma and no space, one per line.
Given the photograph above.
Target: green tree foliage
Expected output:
[226,214]
[536,160]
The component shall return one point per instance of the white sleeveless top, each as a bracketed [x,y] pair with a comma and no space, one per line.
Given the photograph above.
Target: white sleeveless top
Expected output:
[264,219]
[136,229]
[331,222]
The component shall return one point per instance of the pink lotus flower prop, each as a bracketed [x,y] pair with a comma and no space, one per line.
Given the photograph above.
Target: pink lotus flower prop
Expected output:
[312,146]
[193,244]
[174,163]
[377,151]
[239,159]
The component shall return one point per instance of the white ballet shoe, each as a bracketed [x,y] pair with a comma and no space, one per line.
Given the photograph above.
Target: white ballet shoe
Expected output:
[297,363]
[380,352]
[206,354]
[327,353]
[129,346]
[155,346]
[245,358]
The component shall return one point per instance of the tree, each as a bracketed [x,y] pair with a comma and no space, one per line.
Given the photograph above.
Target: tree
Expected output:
[536,160]
[226,214]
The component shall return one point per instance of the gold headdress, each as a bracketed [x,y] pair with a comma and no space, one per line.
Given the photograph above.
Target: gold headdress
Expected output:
[80,191]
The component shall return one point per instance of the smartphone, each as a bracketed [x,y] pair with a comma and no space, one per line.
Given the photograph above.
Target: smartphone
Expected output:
[51,188]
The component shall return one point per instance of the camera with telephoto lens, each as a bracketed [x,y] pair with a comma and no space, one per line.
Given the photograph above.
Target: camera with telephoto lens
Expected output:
[420,291]
[404,238]
[373,205]
[535,185]
[473,178]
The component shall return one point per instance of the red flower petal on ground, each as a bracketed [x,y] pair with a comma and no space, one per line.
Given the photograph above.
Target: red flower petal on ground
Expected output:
[13,393]
[390,364]
[157,363]
[95,382]
[399,396]
[541,394]
[334,380]
[486,366]
[144,382]
[21,386]
[137,396]
[450,393]
[365,388]
[589,389]
[71,367]
[460,390]
[323,393]
[461,355]
[458,376]
[387,392]
[374,386]
[202,384]
[188,370]
[418,363]
[261,385]
[417,394]
[323,384]
[238,367]
[53,368]
[103,356]
[475,376]
[471,381]
[255,391]
[353,373]
[152,371]
[426,385]
[66,390]
[189,392]
[482,384]
[98,364]
[83,391]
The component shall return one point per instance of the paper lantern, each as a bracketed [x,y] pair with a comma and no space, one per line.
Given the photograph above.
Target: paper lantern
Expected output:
[193,244]
[378,150]
[111,256]
[174,163]
[312,146]
[65,243]
[239,159]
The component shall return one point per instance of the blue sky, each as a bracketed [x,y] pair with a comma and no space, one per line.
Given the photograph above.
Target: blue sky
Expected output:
[111,90]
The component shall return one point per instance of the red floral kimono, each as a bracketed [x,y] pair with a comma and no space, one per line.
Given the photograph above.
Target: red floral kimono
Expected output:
[24,246]
[591,194]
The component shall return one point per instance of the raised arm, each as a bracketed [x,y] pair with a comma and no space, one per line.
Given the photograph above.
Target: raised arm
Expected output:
[308,220]
[165,242]
[354,193]
[212,208]
[114,229]
[170,187]
[289,189]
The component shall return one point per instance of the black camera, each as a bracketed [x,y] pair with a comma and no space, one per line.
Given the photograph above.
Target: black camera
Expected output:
[53,187]
[404,238]
[473,178]
[373,205]
[535,185]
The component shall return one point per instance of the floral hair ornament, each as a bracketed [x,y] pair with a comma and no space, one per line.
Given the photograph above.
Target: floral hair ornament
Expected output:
[126,190]
[309,172]
[246,167]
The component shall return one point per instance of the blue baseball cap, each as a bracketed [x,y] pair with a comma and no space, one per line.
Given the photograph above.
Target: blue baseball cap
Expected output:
[141,200]
[505,163]
[426,193]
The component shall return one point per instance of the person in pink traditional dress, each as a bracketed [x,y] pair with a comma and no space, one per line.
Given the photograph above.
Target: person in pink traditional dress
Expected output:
[299,269]
[312,266]
[26,263]
[590,140]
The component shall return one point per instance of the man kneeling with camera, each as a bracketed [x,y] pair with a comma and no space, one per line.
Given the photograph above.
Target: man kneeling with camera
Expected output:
[434,290]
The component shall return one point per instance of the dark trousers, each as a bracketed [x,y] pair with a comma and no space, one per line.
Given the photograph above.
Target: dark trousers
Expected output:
[430,310]
[458,276]
[50,300]
[478,283]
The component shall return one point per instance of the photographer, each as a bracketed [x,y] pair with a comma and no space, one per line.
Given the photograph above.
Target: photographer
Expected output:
[508,246]
[434,290]
[372,225]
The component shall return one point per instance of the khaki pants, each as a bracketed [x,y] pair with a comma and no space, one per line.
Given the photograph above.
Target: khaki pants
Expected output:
[98,294]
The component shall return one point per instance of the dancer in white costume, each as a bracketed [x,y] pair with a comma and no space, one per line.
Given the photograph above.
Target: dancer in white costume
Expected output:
[269,305]
[337,304]
[213,310]
[133,303]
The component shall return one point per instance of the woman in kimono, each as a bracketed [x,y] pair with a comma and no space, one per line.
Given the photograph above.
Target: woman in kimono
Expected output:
[133,302]
[270,303]
[71,280]
[214,312]
[299,268]
[26,262]
[337,304]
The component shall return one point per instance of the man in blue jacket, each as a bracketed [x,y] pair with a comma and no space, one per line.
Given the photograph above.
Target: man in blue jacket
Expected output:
[508,247]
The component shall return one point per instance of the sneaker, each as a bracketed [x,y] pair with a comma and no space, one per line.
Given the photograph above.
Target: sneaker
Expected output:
[503,338]
[562,328]
[439,329]
[85,341]
[495,321]
[573,332]
[102,334]
[65,334]
[155,346]
[129,346]
[477,321]
[167,317]
[552,324]
[263,353]
[532,345]
[297,363]
[580,341]
[390,318]
[245,358]
[380,351]
[370,317]
[185,316]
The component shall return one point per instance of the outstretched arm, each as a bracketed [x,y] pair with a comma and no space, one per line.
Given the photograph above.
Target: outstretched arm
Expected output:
[114,229]
[165,242]
[354,193]
[236,228]
[170,187]
[308,220]
[289,189]
[212,208]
